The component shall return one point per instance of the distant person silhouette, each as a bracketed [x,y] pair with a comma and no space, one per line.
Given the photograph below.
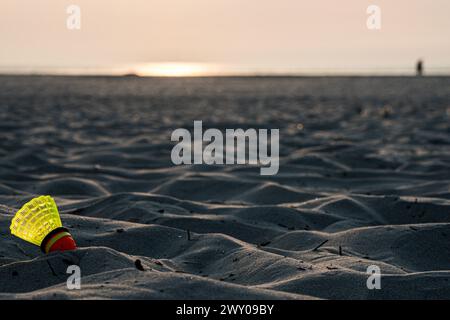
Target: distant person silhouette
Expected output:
[419,68]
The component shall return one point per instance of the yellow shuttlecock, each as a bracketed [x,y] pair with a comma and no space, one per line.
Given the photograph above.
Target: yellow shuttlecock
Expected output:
[38,222]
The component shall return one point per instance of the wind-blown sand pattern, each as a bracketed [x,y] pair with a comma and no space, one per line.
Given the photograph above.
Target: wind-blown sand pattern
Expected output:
[364,171]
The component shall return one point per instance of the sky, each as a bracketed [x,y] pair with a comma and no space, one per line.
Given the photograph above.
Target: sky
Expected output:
[208,37]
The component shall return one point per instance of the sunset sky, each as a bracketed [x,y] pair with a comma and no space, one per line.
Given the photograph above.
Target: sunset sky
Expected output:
[197,37]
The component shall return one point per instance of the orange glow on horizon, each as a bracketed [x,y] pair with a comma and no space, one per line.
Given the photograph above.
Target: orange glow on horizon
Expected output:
[175,69]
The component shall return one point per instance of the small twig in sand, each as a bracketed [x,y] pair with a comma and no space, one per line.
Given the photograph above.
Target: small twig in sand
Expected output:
[138,265]
[315,249]
[191,262]
[332,267]
[188,234]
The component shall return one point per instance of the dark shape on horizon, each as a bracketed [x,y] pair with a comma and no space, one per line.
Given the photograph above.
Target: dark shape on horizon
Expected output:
[131,75]
[419,68]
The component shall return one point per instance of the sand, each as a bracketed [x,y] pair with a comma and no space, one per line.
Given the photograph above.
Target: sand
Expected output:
[364,180]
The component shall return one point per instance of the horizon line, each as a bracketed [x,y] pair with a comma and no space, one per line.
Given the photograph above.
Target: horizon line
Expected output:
[195,69]
[237,75]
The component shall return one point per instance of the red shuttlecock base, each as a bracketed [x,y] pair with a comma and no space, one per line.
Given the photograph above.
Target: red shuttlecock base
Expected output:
[58,240]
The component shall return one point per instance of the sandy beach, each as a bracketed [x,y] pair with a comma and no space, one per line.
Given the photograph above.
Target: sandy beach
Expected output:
[364,179]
